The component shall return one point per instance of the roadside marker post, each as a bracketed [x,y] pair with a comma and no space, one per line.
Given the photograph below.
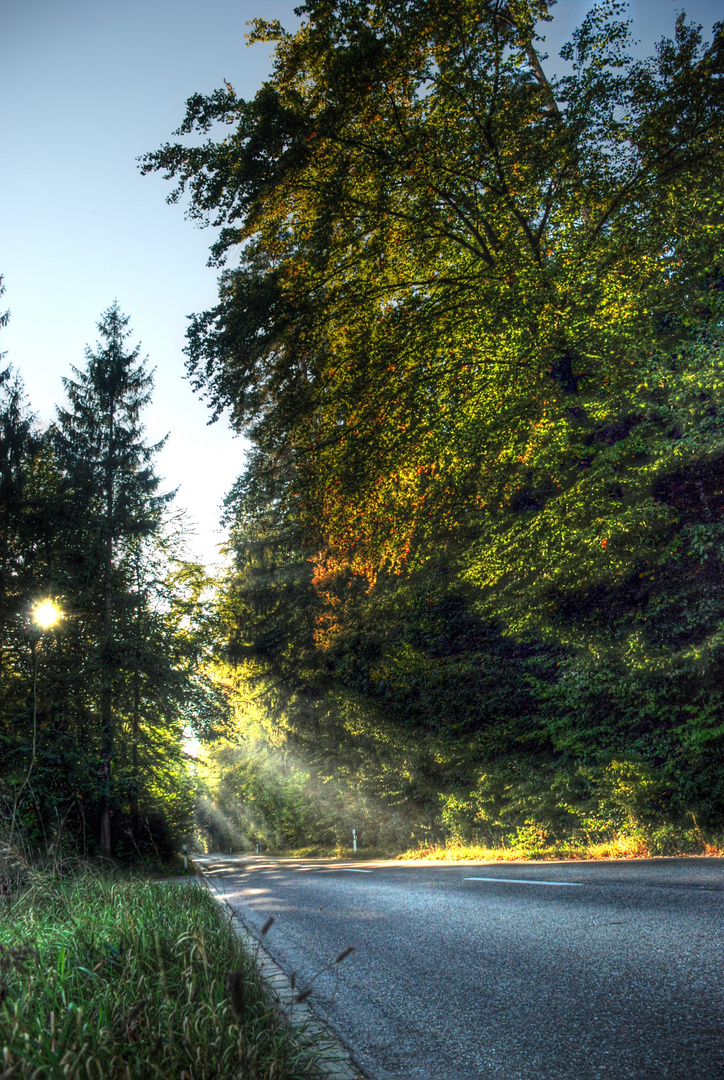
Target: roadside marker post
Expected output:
[186,860]
[354,840]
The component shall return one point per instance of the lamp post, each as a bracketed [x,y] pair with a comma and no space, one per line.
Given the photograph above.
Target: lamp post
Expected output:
[44,615]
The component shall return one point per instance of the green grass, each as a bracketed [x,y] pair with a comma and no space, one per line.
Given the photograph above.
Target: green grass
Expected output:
[117,978]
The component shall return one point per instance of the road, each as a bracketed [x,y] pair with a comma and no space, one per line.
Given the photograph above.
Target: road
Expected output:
[571,971]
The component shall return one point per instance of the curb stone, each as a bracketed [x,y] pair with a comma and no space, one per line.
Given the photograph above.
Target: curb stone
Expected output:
[334,1061]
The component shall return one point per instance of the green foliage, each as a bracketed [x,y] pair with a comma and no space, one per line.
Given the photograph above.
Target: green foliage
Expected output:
[93,710]
[446,258]
[262,796]
[302,769]
[474,332]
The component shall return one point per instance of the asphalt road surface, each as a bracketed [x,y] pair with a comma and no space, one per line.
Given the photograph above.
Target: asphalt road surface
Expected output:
[569,971]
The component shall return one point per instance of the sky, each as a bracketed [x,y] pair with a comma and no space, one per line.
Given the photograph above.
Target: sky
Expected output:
[86,87]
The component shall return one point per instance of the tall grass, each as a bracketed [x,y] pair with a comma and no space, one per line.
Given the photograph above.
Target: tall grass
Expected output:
[112,978]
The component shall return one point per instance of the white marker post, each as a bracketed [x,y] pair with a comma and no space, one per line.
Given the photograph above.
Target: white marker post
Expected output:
[354,840]
[186,861]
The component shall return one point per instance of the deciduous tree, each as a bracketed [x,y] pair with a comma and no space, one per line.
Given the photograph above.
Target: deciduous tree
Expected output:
[453,269]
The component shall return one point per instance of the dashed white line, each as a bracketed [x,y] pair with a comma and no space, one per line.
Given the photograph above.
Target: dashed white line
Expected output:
[351,870]
[524,881]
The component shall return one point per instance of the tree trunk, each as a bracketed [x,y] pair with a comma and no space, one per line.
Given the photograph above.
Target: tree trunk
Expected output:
[105,837]
[134,751]
[106,716]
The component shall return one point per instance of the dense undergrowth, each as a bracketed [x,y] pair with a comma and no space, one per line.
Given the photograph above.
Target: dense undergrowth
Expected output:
[119,977]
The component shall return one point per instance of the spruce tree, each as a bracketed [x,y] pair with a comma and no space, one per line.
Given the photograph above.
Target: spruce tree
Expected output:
[111,500]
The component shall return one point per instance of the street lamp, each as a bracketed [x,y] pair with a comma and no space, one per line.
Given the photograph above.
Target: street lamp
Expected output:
[44,615]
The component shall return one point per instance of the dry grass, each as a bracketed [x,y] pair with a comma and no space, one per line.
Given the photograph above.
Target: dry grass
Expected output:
[621,847]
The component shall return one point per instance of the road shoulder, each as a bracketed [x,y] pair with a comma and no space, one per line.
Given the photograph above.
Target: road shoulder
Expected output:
[332,1058]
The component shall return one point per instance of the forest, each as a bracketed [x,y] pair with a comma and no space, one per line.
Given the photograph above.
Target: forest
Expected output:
[102,649]
[470,317]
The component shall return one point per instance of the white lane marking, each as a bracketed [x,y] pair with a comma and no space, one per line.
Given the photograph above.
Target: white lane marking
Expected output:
[352,870]
[523,881]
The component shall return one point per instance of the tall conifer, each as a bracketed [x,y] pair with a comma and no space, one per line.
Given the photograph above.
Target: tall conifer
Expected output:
[112,496]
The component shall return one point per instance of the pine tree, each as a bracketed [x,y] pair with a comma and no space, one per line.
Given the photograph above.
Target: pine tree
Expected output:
[111,498]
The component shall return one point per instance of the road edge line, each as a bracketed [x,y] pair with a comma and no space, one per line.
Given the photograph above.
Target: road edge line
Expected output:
[332,1058]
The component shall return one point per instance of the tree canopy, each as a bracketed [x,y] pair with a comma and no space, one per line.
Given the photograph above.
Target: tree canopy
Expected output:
[460,280]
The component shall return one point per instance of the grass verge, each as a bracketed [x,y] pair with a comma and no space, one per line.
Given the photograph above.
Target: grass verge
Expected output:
[622,847]
[319,851]
[121,978]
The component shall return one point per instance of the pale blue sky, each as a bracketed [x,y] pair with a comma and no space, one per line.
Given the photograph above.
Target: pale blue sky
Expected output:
[86,86]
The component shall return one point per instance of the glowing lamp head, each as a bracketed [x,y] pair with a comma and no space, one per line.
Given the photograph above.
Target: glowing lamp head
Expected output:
[46,614]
